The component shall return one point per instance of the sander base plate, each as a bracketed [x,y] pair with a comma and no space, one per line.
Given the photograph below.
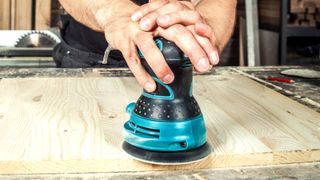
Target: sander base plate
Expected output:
[168,158]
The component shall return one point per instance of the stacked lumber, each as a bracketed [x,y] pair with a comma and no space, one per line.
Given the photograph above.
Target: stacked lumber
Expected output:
[19,14]
[304,13]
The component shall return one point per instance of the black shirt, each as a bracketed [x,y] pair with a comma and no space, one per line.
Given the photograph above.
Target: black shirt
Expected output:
[83,38]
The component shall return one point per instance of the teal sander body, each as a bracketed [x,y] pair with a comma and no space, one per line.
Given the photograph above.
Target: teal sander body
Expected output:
[167,126]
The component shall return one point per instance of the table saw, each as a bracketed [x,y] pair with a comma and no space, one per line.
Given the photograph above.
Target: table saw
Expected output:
[67,123]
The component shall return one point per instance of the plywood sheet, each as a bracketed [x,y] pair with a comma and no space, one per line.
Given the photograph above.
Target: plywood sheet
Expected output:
[71,125]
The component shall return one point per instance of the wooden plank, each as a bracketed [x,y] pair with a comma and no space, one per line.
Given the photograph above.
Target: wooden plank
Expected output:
[22,15]
[294,171]
[43,14]
[5,14]
[74,125]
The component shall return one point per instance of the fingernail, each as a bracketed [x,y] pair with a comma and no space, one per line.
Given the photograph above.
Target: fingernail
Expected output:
[167,79]
[148,87]
[164,18]
[203,65]
[136,16]
[214,58]
[145,23]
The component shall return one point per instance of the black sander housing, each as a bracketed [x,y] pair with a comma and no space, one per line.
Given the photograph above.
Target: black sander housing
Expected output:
[167,126]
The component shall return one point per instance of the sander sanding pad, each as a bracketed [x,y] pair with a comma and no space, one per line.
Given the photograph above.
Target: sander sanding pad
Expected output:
[168,158]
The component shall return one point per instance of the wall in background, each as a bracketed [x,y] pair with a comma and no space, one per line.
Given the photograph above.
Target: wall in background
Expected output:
[28,14]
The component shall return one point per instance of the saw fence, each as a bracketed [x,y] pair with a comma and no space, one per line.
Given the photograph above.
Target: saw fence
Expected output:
[25,14]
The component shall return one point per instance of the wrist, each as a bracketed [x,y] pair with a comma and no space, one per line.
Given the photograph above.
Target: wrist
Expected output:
[111,11]
[213,37]
[222,21]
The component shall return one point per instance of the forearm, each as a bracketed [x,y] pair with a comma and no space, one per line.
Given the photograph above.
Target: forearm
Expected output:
[220,15]
[97,13]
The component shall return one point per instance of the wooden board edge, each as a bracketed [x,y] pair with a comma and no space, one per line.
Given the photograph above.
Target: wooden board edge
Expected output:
[130,165]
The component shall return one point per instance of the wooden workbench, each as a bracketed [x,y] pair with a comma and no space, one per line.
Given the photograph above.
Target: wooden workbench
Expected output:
[68,123]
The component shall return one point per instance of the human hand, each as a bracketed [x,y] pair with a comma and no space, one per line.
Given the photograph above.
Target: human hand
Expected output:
[165,14]
[126,36]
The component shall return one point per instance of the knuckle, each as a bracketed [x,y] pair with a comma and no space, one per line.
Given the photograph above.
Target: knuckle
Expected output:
[123,49]
[178,16]
[138,37]
[133,63]
[197,15]
[147,8]
[164,1]
[144,8]
[195,52]
[180,29]
[153,16]
[161,70]
[177,5]
[190,5]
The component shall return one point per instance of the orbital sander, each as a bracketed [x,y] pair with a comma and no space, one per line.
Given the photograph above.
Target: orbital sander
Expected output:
[166,126]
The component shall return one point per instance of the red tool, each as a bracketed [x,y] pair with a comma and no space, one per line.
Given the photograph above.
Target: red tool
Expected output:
[280,79]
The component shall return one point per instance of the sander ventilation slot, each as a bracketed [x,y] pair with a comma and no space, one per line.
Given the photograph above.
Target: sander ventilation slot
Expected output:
[137,129]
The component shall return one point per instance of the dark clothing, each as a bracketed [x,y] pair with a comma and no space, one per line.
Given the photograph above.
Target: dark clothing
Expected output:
[82,47]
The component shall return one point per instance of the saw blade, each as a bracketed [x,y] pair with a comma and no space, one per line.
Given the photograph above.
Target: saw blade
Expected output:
[36,39]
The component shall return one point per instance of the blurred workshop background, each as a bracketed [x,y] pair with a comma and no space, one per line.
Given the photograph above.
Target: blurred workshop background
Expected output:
[268,32]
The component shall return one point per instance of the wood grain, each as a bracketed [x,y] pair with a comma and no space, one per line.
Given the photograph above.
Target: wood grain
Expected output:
[72,125]
[22,15]
[43,14]
[5,14]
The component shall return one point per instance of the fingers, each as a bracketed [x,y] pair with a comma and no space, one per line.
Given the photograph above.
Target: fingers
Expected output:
[131,56]
[147,8]
[186,18]
[149,21]
[203,30]
[184,39]
[154,57]
[173,20]
[207,46]
[180,17]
